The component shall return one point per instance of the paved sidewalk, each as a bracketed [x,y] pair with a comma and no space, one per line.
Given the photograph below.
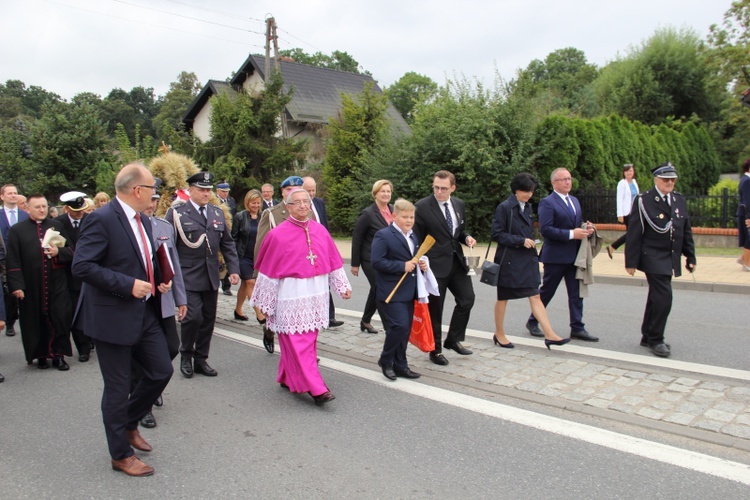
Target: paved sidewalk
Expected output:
[714,273]
[665,394]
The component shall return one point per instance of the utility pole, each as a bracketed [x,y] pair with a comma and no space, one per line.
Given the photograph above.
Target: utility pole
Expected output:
[272,37]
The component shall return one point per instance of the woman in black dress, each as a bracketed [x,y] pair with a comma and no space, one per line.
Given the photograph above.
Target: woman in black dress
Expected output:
[370,221]
[244,230]
[518,259]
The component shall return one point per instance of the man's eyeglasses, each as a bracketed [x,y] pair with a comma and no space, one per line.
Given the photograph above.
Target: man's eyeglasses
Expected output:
[301,202]
[564,179]
[440,189]
[144,186]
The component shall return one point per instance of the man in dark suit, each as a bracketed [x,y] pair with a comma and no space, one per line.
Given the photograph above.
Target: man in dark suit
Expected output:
[10,215]
[444,218]
[266,193]
[201,232]
[658,233]
[121,310]
[393,248]
[560,222]
[222,193]
[319,211]
[74,204]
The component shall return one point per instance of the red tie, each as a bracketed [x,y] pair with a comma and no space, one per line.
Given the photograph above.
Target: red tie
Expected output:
[149,266]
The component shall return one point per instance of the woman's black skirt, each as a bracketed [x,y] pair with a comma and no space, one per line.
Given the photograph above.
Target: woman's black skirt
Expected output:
[505,293]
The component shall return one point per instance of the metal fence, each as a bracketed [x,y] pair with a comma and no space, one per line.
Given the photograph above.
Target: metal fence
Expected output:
[704,210]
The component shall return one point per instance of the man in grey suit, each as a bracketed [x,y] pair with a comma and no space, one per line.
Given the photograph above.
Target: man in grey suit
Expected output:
[201,232]
[175,298]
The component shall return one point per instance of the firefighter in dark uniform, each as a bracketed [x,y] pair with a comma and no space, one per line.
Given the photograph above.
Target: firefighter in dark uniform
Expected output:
[658,233]
[201,232]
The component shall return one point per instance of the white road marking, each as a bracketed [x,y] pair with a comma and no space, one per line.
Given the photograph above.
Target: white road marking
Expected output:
[671,364]
[671,455]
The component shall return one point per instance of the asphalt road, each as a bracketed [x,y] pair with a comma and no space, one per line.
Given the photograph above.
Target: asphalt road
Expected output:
[704,327]
[241,436]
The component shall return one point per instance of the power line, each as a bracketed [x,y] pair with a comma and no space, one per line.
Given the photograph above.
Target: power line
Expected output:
[152,24]
[187,17]
[301,40]
[228,14]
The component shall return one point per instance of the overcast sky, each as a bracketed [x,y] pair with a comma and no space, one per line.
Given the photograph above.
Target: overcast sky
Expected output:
[72,46]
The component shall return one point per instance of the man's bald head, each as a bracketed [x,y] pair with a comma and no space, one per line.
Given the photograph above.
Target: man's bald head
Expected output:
[135,186]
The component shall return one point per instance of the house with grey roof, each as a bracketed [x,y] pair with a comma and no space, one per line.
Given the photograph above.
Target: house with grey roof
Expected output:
[315,100]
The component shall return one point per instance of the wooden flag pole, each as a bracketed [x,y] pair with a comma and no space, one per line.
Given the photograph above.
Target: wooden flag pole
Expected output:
[423,249]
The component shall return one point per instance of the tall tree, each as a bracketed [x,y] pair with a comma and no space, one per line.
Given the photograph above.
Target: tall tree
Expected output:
[410,89]
[338,60]
[666,76]
[174,104]
[729,55]
[245,142]
[353,135]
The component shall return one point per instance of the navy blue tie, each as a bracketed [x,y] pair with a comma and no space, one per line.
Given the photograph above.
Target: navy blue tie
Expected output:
[570,205]
[448,218]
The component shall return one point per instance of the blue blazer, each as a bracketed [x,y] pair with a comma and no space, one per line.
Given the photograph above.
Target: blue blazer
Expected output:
[108,260]
[555,223]
[5,226]
[389,252]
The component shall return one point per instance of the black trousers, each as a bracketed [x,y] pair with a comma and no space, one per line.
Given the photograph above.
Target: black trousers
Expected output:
[80,339]
[459,284]
[658,307]
[121,408]
[11,309]
[621,240]
[372,305]
[197,327]
[553,275]
[400,315]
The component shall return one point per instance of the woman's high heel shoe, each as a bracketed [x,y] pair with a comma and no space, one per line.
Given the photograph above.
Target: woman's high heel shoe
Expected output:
[549,342]
[366,327]
[261,321]
[509,345]
[610,251]
[240,317]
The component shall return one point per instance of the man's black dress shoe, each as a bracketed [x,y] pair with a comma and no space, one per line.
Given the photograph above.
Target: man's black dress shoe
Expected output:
[534,329]
[186,367]
[42,364]
[335,322]
[2,379]
[83,358]
[148,421]
[583,335]
[438,358]
[387,371]
[10,331]
[240,317]
[204,369]
[456,346]
[644,343]
[660,350]
[268,339]
[159,401]
[324,398]
[228,292]
[59,363]
[407,373]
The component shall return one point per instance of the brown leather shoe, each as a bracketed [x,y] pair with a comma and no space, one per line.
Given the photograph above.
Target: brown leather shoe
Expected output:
[136,441]
[132,466]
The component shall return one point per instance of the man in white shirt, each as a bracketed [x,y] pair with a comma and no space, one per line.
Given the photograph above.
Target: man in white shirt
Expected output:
[10,215]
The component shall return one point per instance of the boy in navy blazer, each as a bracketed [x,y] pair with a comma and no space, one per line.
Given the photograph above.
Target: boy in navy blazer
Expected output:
[393,248]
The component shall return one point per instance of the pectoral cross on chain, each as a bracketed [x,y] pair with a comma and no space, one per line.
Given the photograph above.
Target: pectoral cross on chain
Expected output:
[311,257]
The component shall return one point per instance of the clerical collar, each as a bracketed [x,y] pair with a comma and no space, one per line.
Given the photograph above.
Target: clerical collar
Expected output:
[298,223]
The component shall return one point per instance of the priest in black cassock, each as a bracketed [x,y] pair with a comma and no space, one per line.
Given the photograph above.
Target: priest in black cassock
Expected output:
[36,276]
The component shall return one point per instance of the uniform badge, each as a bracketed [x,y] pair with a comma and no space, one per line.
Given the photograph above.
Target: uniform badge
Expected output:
[657,199]
[661,216]
[206,177]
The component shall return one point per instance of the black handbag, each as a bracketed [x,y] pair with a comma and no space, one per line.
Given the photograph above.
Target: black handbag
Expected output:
[490,270]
